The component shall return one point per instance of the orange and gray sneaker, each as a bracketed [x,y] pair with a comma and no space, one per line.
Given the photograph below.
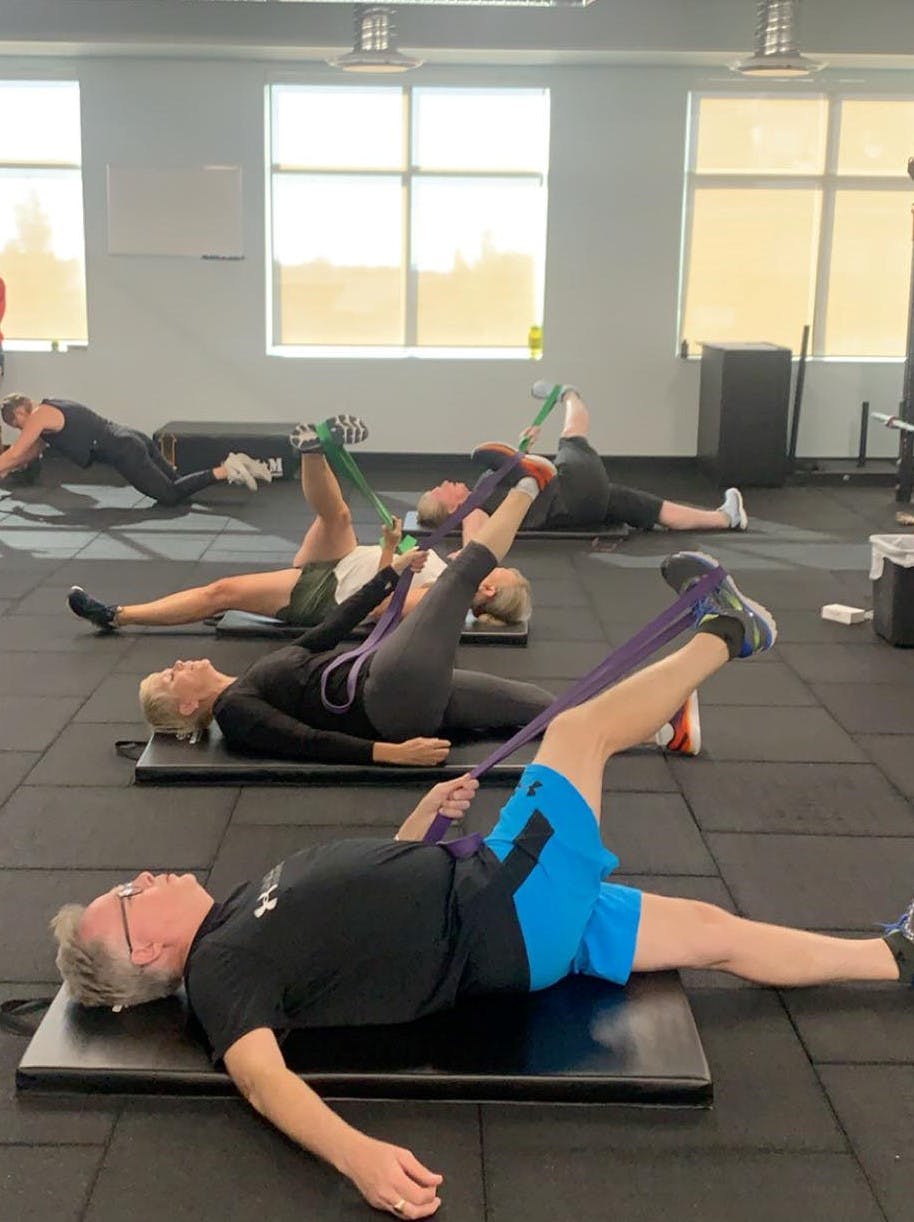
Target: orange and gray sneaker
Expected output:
[493,454]
[682,733]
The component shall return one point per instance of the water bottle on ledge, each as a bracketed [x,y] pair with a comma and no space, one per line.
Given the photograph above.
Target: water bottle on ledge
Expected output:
[535,343]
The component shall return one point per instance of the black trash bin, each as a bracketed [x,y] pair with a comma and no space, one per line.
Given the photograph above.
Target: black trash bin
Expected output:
[892,573]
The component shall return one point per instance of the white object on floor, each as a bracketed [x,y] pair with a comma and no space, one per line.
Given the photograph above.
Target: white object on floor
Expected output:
[839,614]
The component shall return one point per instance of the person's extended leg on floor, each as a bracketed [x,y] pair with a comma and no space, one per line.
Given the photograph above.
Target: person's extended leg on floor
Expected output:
[628,930]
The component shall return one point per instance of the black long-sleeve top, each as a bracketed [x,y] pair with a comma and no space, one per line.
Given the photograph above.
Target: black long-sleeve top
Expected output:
[275,707]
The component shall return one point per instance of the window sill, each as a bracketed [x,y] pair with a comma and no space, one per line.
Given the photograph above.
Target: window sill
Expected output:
[44,345]
[333,352]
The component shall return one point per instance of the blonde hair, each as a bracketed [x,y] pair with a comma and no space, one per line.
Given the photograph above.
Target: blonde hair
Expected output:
[10,405]
[161,711]
[97,977]
[431,510]
[510,604]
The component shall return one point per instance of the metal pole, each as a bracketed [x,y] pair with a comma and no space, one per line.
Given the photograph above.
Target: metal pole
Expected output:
[798,400]
[864,421]
[906,438]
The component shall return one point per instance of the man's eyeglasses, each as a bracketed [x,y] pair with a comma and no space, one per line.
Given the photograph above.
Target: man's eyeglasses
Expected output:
[124,893]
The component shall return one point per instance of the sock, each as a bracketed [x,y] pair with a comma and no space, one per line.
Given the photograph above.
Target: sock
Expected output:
[728,629]
[528,486]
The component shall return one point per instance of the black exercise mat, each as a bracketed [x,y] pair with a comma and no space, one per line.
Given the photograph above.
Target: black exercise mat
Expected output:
[583,1040]
[411,527]
[167,760]
[474,632]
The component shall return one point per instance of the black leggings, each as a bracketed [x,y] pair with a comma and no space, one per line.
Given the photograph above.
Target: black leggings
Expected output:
[138,459]
[590,496]
[412,687]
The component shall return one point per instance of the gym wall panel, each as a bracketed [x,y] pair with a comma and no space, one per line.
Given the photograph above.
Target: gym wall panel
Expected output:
[168,332]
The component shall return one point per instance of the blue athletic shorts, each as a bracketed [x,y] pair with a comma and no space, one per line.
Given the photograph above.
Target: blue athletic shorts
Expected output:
[572,921]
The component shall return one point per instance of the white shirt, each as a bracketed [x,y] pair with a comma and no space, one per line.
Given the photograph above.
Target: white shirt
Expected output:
[362,563]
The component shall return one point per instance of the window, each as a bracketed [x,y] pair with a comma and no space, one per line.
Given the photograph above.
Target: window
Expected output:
[42,255]
[798,211]
[407,221]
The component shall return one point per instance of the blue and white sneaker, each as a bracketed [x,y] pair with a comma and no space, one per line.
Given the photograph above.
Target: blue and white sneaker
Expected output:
[346,430]
[900,940]
[683,569]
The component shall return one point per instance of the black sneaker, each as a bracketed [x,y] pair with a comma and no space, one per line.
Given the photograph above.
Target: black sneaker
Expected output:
[900,940]
[760,631]
[89,608]
[345,430]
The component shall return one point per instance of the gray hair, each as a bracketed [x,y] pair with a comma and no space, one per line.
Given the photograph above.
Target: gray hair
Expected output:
[163,715]
[431,510]
[97,977]
[510,604]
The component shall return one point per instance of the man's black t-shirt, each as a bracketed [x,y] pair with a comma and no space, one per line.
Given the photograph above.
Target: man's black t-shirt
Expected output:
[276,709]
[547,511]
[354,933]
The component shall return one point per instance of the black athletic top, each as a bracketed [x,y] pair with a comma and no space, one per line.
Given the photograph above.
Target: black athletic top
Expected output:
[356,933]
[275,707]
[83,432]
[547,511]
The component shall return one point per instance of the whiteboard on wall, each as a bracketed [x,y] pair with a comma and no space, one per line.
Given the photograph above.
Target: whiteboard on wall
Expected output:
[194,212]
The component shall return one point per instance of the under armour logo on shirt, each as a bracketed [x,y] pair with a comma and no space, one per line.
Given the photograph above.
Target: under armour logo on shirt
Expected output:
[533,788]
[267,900]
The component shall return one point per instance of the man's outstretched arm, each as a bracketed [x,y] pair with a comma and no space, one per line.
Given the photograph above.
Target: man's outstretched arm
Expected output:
[385,1175]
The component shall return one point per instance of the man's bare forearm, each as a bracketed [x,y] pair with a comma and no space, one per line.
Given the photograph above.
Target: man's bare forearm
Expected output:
[293,1107]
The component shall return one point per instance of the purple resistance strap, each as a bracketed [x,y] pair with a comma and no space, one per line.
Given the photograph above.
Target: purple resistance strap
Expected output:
[620,662]
[359,656]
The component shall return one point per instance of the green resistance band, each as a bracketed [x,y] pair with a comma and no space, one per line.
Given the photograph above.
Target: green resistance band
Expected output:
[345,465]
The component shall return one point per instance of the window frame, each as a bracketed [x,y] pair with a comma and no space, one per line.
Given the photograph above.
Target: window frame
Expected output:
[829,183]
[59,344]
[406,176]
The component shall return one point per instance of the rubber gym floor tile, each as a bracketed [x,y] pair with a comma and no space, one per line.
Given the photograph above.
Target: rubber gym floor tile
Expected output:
[820,882]
[875,1105]
[784,735]
[217,1159]
[869,708]
[644,770]
[654,833]
[800,627]
[773,684]
[557,592]
[48,600]
[115,699]
[781,590]
[28,900]
[554,624]
[37,634]
[53,674]
[565,660]
[6,604]
[766,1097]
[380,806]
[643,1186]
[14,765]
[176,546]
[45,1120]
[104,828]
[247,851]
[894,754]
[18,583]
[854,1023]
[849,663]
[41,1183]
[84,755]
[31,723]
[817,799]
[122,579]
[155,650]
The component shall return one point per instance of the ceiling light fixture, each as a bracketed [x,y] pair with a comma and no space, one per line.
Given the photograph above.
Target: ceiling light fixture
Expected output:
[373,50]
[776,54]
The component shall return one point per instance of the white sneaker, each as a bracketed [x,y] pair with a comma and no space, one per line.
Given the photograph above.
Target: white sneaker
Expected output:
[734,508]
[238,472]
[257,468]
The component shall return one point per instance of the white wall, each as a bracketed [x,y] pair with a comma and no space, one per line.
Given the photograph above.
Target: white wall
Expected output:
[182,338]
